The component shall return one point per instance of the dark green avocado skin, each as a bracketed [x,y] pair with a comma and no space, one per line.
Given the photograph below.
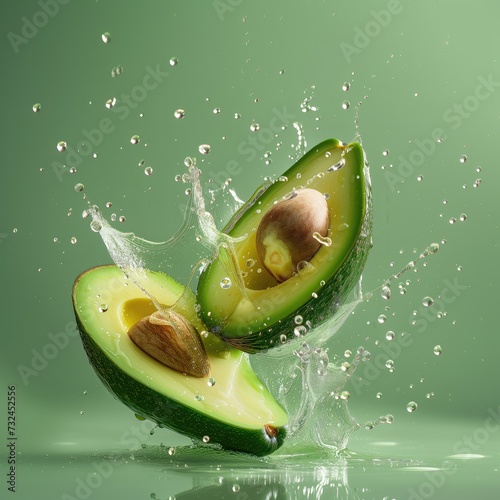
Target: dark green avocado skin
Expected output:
[172,414]
[329,297]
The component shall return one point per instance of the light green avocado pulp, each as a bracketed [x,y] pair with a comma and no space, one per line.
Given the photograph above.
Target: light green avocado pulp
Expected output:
[237,402]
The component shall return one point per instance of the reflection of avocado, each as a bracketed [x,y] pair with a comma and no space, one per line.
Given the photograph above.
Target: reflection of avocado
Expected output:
[230,406]
[264,311]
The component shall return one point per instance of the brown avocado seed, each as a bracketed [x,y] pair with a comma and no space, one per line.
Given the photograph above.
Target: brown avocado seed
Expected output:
[285,233]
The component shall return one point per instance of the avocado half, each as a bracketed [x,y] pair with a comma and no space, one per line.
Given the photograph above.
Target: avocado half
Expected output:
[261,313]
[236,412]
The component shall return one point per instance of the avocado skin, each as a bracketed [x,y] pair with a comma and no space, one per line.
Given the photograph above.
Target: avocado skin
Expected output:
[169,413]
[330,296]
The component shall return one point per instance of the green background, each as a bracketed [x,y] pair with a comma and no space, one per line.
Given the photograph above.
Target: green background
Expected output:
[421,71]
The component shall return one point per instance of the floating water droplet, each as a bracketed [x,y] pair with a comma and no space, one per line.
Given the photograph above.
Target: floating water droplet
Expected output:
[79,187]
[148,170]
[420,178]
[103,308]
[96,226]
[37,107]
[135,139]
[453,220]
[179,113]
[106,37]
[216,111]
[463,159]
[337,166]
[345,395]
[429,395]
[298,319]
[199,397]
[346,86]
[173,61]
[299,330]
[254,127]
[206,439]
[204,149]
[378,395]
[390,335]
[122,218]
[211,382]
[382,318]
[61,146]
[427,301]
[281,71]
[324,240]
[347,353]
[171,451]
[437,350]
[346,104]
[459,268]
[385,152]
[385,292]
[236,488]
[283,338]
[73,240]
[463,217]
[389,364]
[411,406]
[225,283]
[433,248]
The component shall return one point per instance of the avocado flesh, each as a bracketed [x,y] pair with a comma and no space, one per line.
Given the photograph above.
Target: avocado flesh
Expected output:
[237,412]
[256,317]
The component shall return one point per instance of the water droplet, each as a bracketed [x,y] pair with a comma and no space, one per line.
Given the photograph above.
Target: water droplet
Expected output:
[73,240]
[420,178]
[109,204]
[346,104]
[463,217]
[390,335]
[463,159]
[411,406]
[382,318]
[453,220]
[254,127]
[106,37]
[204,149]
[429,395]
[386,292]
[346,86]
[179,113]
[433,248]
[236,488]
[438,350]
[345,395]
[345,366]
[110,103]
[103,308]
[96,226]
[199,397]
[299,330]
[283,338]
[211,382]
[135,139]
[337,166]
[459,268]
[225,283]
[298,319]
[37,107]
[122,218]
[324,240]
[378,395]
[171,451]
[148,170]
[216,111]
[79,187]
[427,301]
[385,152]
[206,439]
[56,240]
[389,364]
[173,61]
[347,353]
[61,146]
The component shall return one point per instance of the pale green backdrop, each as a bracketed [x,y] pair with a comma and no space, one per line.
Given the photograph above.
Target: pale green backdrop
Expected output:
[427,77]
